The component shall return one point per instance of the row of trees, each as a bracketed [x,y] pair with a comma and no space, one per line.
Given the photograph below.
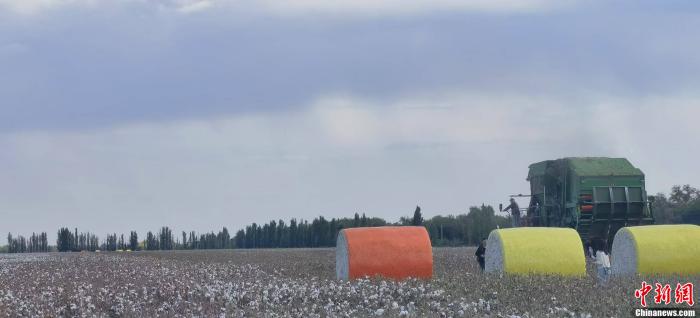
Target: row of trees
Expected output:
[162,240]
[211,240]
[113,243]
[35,243]
[464,229]
[682,205]
[451,230]
[320,232]
[166,240]
[73,241]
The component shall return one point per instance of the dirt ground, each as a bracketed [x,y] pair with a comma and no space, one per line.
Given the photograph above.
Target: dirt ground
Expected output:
[292,282]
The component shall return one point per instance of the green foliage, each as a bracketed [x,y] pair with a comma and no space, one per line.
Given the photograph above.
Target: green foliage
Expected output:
[683,195]
[35,244]
[110,243]
[450,230]
[151,243]
[211,240]
[299,233]
[417,217]
[20,244]
[73,241]
[464,229]
[166,241]
[681,206]
[133,241]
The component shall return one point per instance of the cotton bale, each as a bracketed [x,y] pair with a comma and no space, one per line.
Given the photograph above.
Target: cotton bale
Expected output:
[396,252]
[535,250]
[656,249]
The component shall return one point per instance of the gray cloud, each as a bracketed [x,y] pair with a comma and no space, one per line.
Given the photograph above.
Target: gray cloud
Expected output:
[113,63]
[184,112]
[337,156]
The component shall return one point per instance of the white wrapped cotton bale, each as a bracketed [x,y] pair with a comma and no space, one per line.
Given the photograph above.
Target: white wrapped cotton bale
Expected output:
[656,249]
[535,250]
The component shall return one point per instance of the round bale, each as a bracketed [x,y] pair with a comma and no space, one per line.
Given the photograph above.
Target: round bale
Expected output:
[535,250]
[656,249]
[396,252]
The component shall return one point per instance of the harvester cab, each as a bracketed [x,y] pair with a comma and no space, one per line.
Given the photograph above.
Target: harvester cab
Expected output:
[596,196]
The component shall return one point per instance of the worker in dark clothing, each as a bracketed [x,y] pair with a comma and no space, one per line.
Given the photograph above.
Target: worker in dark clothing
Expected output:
[531,219]
[514,212]
[481,254]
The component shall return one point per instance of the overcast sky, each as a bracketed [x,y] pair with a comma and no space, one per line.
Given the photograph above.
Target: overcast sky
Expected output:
[130,115]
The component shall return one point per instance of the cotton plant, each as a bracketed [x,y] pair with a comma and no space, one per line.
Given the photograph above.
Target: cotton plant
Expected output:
[286,283]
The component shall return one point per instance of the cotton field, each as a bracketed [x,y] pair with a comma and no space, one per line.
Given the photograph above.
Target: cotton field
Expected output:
[288,283]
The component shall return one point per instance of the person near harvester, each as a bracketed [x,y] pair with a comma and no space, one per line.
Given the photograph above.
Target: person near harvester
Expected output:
[602,262]
[481,254]
[514,212]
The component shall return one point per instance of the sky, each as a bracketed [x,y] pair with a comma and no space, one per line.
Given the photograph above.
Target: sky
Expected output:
[134,114]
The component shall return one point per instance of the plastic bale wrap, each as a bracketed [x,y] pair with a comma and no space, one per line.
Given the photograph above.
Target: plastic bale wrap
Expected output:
[656,249]
[535,250]
[396,252]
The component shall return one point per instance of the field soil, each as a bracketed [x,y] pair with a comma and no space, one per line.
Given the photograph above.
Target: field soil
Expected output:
[292,282]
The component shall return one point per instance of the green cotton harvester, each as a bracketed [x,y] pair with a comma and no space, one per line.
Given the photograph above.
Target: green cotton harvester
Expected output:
[605,201]
[596,196]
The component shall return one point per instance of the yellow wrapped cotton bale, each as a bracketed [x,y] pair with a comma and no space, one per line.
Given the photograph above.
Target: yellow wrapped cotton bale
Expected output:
[535,250]
[656,249]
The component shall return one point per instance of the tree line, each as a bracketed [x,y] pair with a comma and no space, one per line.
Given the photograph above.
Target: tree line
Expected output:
[164,239]
[451,230]
[68,241]
[319,232]
[465,229]
[682,205]
[35,243]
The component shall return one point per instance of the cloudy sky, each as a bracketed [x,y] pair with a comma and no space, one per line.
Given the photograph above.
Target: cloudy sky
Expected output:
[132,114]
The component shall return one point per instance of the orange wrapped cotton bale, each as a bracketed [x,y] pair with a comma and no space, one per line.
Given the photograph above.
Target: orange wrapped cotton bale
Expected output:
[396,252]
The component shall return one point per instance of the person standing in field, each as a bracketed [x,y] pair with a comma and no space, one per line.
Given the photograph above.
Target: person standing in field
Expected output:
[602,262]
[514,212]
[481,254]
